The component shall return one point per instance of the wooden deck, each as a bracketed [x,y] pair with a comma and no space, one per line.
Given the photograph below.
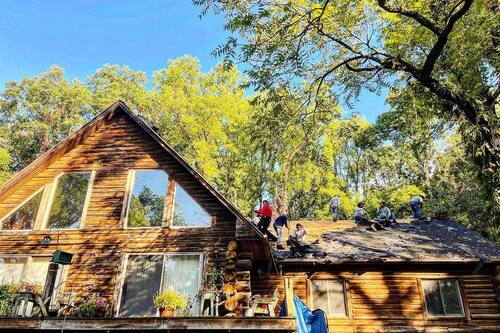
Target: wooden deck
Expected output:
[178,324]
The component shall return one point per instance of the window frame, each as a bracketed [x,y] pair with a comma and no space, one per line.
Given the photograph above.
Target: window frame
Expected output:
[124,265]
[345,286]
[128,199]
[51,192]
[460,297]
[37,217]
[172,212]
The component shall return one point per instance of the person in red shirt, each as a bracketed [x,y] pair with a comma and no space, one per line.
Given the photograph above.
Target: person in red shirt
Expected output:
[265,213]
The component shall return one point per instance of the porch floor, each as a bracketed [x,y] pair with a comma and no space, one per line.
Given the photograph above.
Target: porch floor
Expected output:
[178,324]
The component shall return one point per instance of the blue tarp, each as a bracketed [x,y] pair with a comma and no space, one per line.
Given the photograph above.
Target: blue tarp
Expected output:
[309,321]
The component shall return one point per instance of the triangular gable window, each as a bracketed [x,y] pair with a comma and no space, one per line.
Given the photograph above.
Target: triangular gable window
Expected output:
[187,212]
[23,218]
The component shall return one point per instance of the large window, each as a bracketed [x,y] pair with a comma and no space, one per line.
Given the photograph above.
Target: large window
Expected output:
[442,298]
[187,212]
[329,296]
[23,218]
[146,275]
[68,200]
[147,199]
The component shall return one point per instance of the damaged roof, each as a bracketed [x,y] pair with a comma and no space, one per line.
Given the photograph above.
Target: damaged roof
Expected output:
[434,241]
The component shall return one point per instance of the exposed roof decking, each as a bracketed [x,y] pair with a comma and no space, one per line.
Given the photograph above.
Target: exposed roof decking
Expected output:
[436,241]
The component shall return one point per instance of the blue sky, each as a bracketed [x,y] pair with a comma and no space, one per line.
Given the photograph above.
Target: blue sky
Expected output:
[83,35]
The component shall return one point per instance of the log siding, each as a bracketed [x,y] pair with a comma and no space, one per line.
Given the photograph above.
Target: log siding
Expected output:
[100,244]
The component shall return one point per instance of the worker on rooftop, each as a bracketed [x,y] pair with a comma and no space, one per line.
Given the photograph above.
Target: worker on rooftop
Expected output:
[299,234]
[416,203]
[360,214]
[335,207]
[265,213]
[384,215]
[279,223]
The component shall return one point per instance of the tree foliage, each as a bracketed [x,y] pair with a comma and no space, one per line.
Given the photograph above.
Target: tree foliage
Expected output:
[269,145]
[444,51]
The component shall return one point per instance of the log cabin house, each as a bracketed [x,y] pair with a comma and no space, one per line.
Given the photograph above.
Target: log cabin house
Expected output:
[138,219]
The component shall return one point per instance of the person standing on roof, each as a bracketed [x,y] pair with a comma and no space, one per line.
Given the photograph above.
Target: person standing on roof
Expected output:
[384,215]
[265,213]
[279,223]
[416,206]
[335,207]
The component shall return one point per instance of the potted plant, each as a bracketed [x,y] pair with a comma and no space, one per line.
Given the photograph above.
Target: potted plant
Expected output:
[168,301]
[93,307]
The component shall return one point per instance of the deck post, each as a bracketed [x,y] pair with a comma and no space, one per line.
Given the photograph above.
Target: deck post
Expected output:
[289,296]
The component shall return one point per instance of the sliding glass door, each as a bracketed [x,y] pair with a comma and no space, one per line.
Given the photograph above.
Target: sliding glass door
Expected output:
[146,275]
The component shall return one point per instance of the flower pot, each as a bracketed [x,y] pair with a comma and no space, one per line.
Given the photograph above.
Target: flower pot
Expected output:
[166,313]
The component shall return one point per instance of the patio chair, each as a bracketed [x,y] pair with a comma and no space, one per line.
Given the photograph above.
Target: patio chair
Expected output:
[264,305]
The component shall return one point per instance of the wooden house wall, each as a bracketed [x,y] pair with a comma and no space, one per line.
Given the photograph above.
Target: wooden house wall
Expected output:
[118,145]
[390,301]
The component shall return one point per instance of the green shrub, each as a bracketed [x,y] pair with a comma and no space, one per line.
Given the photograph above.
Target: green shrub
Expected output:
[7,296]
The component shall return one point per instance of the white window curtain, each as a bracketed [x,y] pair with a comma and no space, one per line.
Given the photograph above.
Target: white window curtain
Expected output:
[182,273]
[11,270]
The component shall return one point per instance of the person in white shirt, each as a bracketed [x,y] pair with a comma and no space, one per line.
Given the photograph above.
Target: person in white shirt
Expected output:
[335,207]
[299,234]
[416,203]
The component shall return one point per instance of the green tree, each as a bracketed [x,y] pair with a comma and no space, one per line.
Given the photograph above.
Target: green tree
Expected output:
[38,112]
[445,49]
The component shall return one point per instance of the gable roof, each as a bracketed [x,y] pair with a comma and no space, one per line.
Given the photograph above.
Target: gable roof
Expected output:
[406,241]
[86,130]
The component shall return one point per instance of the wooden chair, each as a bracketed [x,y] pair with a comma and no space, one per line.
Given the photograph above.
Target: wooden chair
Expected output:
[262,305]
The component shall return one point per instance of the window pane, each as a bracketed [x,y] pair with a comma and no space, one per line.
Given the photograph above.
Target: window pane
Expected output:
[187,212]
[69,199]
[142,282]
[451,297]
[433,298]
[329,296]
[148,198]
[182,274]
[11,270]
[24,217]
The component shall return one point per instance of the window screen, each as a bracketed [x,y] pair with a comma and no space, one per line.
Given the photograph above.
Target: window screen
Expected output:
[24,217]
[442,298]
[69,200]
[187,212]
[147,200]
[329,296]
[142,282]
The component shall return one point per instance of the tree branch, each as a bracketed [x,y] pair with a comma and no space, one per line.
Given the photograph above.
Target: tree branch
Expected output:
[438,47]
[411,14]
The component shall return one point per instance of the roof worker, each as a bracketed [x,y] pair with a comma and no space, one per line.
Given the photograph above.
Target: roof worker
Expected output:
[265,213]
[361,215]
[416,203]
[335,207]
[384,215]
[299,234]
[279,223]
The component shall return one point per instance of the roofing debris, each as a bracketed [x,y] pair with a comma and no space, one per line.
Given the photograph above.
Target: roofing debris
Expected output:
[413,241]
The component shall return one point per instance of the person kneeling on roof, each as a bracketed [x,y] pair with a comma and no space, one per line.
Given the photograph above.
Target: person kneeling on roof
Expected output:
[265,213]
[360,214]
[299,234]
[279,223]
[384,215]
